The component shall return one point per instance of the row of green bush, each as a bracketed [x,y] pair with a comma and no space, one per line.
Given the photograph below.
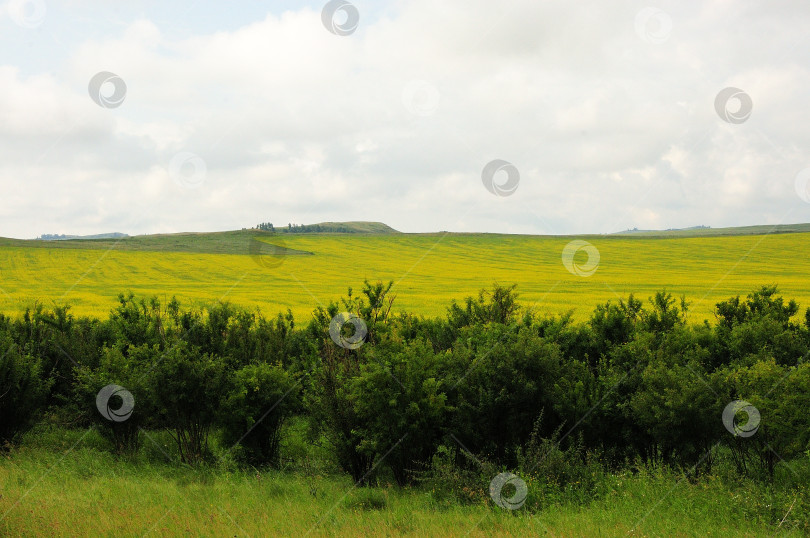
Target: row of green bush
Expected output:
[489,386]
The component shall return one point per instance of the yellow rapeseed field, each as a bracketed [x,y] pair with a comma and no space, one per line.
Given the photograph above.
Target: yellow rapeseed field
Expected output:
[429,270]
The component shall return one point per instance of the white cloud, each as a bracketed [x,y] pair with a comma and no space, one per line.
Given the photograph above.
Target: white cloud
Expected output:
[296,124]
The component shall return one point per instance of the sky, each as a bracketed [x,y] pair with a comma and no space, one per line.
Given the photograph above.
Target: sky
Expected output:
[516,116]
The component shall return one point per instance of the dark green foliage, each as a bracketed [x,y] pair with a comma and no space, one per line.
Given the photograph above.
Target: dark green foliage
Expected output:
[498,306]
[782,396]
[331,399]
[60,342]
[333,407]
[614,324]
[665,314]
[23,391]
[401,405]
[138,321]
[677,411]
[188,388]
[132,371]
[503,379]
[261,398]
[760,326]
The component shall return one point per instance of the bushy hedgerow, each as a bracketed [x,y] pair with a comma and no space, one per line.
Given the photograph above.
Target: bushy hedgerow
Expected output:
[634,382]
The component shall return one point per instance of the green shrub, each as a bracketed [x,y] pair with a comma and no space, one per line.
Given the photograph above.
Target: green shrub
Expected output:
[131,371]
[23,392]
[557,469]
[331,399]
[501,379]
[401,405]
[332,407]
[781,394]
[456,477]
[261,398]
[188,389]
[679,412]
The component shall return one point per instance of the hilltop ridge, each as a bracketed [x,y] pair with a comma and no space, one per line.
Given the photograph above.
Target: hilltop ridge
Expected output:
[352,227]
[706,231]
[63,237]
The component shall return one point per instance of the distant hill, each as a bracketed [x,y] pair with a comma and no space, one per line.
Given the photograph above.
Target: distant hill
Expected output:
[63,237]
[636,230]
[351,227]
[231,242]
[247,242]
[706,231]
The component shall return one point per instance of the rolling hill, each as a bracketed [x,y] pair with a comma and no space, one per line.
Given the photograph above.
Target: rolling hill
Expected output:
[233,242]
[705,231]
[300,271]
[356,227]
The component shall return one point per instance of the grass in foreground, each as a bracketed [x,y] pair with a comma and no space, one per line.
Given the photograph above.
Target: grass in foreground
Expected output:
[65,483]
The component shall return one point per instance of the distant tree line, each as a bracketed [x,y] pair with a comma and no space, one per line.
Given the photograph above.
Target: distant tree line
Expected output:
[314,228]
[51,237]
[442,400]
[56,237]
[308,228]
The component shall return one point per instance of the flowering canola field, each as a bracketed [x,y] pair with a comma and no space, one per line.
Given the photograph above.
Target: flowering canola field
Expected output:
[429,270]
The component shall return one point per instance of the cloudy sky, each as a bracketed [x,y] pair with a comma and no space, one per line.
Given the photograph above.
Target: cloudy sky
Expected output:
[216,116]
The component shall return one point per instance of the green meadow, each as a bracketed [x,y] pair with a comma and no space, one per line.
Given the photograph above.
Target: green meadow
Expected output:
[67,483]
[429,270]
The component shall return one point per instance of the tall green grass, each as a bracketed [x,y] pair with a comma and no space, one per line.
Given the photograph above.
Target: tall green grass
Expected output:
[66,483]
